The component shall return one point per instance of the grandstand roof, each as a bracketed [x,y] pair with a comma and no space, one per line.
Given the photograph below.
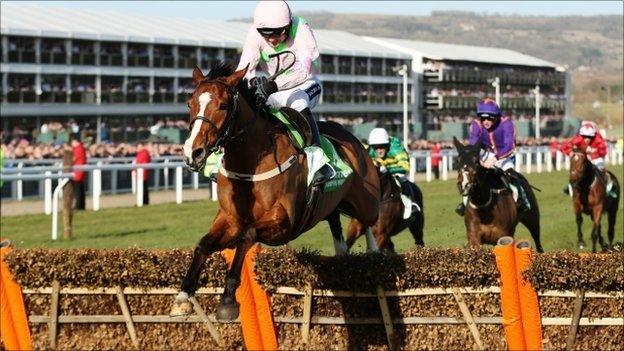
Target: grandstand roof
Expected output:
[441,51]
[33,20]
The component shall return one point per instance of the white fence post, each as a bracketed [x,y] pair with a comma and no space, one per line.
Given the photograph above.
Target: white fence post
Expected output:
[178,180]
[567,163]
[620,158]
[529,161]
[55,201]
[133,180]
[139,187]
[549,163]
[539,161]
[97,187]
[444,167]
[428,168]
[196,180]
[518,160]
[20,185]
[166,174]
[412,169]
[559,160]
[47,191]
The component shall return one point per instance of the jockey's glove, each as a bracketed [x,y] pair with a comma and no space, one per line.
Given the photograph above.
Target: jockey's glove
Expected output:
[264,88]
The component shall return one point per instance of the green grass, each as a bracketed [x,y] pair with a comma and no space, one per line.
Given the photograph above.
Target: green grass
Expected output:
[171,225]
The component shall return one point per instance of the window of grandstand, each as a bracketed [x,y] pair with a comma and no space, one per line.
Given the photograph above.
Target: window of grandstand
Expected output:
[390,64]
[360,93]
[185,89]
[138,55]
[83,52]
[327,64]
[209,56]
[361,66]
[163,56]
[112,91]
[83,89]
[392,93]
[376,66]
[53,51]
[110,54]
[21,88]
[344,93]
[22,49]
[345,65]
[329,92]
[138,90]
[163,90]
[187,57]
[53,89]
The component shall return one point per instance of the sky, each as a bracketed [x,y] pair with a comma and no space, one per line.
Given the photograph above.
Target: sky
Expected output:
[227,10]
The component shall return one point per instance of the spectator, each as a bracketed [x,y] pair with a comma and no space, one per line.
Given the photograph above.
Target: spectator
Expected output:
[436,156]
[554,147]
[80,158]
[143,156]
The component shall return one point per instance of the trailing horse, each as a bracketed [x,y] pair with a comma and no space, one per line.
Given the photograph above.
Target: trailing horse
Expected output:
[391,219]
[491,212]
[263,179]
[589,196]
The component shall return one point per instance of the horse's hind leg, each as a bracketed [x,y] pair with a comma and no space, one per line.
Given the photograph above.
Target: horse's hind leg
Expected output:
[416,228]
[533,225]
[611,216]
[355,230]
[336,229]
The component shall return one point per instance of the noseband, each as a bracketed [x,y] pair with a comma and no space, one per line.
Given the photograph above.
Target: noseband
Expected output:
[225,134]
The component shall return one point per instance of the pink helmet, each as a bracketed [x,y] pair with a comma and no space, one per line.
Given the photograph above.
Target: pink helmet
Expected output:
[271,14]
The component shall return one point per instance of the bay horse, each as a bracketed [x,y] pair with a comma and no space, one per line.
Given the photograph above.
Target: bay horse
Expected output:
[491,212]
[262,183]
[391,221]
[589,197]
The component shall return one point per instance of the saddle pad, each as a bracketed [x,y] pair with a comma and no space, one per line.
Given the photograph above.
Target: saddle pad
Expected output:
[341,168]
[293,132]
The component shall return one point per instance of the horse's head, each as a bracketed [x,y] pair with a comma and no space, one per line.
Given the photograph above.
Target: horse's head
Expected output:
[212,109]
[468,161]
[578,162]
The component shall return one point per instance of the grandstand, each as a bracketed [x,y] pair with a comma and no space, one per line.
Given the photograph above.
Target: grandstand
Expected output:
[130,71]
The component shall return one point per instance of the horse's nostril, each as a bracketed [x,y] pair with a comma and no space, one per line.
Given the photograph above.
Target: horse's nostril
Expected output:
[198,153]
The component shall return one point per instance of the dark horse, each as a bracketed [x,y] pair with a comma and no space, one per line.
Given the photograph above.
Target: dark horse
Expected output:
[263,180]
[491,212]
[390,221]
[589,197]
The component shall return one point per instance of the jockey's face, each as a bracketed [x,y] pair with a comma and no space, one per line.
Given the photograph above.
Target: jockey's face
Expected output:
[587,140]
[381,150]
[487,122]
[276,40]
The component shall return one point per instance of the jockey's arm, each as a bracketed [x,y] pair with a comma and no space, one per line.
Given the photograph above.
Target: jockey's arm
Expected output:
[250,55]
[306,50]
[475,132]
[508,148]
[601,145]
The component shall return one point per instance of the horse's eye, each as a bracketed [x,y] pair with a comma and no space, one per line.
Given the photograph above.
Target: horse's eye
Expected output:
[223,106]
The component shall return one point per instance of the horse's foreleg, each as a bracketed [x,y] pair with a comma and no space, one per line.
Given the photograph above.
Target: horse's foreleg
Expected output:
[336,230]
[355,230]
[579,232]
[416,228]
[228,307]
[596,235]
[611,215]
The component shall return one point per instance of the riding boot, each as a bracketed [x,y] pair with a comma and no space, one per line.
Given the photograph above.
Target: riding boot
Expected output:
[325,173]
[523,200]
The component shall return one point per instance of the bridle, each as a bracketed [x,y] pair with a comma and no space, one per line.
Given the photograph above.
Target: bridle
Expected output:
[464,172]
[224,135]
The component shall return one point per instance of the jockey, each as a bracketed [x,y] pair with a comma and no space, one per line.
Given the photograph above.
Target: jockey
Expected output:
[497,134]
[390,155]
[275,30]
[595,148]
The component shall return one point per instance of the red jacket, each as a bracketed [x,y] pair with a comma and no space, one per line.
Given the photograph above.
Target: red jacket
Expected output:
[598,144]
[143,156]
[554,146]
[436,155]
[80,158]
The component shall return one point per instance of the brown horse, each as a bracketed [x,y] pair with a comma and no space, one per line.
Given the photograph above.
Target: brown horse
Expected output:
[589,197]
[491,212]
[391,221]
[262,185]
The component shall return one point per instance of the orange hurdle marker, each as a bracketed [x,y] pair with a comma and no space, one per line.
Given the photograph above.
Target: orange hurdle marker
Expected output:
[14,329]
[510,301]
[529,305]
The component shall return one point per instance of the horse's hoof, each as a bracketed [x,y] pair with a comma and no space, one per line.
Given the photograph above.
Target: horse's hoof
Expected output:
[181,308]
[227,312]
[581,245]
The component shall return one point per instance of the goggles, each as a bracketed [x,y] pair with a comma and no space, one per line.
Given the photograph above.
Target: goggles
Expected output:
[380,146]
[487,117]
[272,32]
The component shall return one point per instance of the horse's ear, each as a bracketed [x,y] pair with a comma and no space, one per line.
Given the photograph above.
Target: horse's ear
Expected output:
[458,144]
[235,78]
[198,76]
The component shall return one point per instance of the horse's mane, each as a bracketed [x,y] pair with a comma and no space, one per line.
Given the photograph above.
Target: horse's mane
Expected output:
[224,69]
